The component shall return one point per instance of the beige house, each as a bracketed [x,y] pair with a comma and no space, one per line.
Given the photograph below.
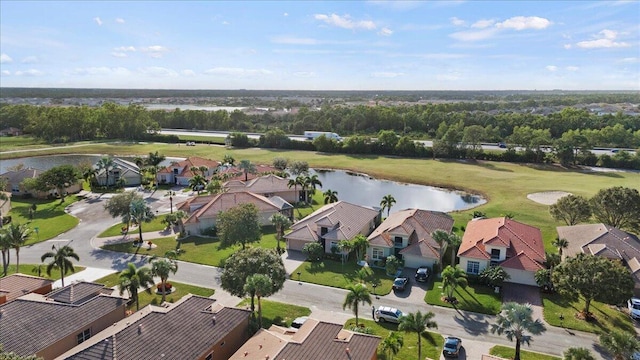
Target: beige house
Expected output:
[331,224]
[179,173]
[48,325]
[267,185]
[16,177]
[314,340]
[121,169]
[194,327]
[16,285]
[202,211]
[504,242]
[407,235]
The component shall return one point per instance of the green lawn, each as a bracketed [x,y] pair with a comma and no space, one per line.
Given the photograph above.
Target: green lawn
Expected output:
[200,250]
[154,225]
[276,313]
[431,342]
[17,142]
[145,298]
[336,274]
[509,352]
[475,297]
[38,270]
[607,317]
[50,217]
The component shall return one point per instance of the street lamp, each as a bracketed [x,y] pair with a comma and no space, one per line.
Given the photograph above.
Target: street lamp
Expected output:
[171,193]
[374,290]
[299,273]
[561,320]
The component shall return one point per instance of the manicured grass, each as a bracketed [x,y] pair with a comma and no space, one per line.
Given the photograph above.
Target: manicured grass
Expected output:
[200,250]
[203,140]
[145,298]
[475,297]
[39,270]
[276,313]
[335,274]
[154,225]
[509,352]
[49,217]
[16,142]
[431,342]
[607,317]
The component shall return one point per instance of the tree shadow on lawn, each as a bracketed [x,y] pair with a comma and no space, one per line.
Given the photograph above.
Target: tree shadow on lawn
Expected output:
[482,164]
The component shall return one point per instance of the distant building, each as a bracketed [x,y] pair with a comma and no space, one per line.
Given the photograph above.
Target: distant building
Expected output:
[15,186]
[121,169]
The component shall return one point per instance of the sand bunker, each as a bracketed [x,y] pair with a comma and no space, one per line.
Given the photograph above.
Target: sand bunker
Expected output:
[547,197]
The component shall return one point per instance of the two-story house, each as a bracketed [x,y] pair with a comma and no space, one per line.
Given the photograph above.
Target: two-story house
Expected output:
[179,173]
[504,242]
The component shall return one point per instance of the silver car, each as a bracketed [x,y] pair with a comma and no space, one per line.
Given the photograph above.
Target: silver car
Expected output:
[386,313]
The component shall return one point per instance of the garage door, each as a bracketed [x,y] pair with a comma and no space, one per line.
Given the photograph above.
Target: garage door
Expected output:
[297,245]
[521,277]
[412,261]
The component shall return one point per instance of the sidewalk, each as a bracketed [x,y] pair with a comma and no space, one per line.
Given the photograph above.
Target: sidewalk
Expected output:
[88,274]
[129,237]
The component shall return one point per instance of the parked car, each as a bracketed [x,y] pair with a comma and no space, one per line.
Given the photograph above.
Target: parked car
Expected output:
[422,274]
[502,145]
[451,347]
[634,308]
[297,323]
[386,313]
[400,283]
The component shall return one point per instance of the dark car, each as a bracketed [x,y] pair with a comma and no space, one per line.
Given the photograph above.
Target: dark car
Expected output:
[452,347]
[422,274]
[502,145]
[400,283]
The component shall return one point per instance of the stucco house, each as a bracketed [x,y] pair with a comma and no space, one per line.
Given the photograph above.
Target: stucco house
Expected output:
[202,211]
[228,172]
[331,224]
[194,327]
[267,185]
[122,169]
[15,285]
[179,173]
[604,240]
[15,178]
[504,242]
[407,235]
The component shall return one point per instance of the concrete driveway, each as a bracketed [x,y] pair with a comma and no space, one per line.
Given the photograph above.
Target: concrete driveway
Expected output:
[524,294]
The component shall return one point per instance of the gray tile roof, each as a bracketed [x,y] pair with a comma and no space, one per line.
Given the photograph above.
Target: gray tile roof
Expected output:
[16,285]
[77,292]
[185,330]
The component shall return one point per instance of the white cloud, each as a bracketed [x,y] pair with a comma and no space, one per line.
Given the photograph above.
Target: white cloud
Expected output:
[188,72]
[345,22]
[525,22]
[285,14]
[100,70]
[293,40]
[30,72]
[385,32]
[482,24]
[120,20]
[551,68]
[30,60]
[125,48]
[98,21]
[237,71]
[225,23]
[474,35]
[157,71]
[572,68]
[630,60]
[4,59]
[604,39]
[386,74]
[5,73]
[119,54]
[457,22]
[155,51]
[568,46]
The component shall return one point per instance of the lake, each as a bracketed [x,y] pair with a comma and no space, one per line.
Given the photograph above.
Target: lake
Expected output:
[352,187]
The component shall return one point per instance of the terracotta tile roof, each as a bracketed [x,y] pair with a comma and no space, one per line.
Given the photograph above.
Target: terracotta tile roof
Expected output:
[421,223]
[522,261]
[16,285]
[226,201]
[421,248]
[185,166]
[184,330]
[517,237]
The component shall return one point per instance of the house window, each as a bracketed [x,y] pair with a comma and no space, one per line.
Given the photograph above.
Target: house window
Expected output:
[323,230]
[377,253]
[397,240]
[473,267]
[84,336]
[334,244]
[175,171]
[495,254]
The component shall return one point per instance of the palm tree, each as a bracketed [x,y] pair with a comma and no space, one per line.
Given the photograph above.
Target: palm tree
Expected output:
[345,247]
[140,212]
[314,182]
[515,321]
[281,223]
[89,175]
[560,244]
[417,323]
[154,159]
[258,285]
[247,168]
[5,248]
[578,353]
[107,164]
[132,278]
[357,293]
[392,344]
[360,245]
[330,196]
[452,277]
[17,235]
[203,170]
[60,260]
[295,182]
[197,182]
[442,238]
[162,268]
[454,241]
[387,202]
[620,344]
[228,159]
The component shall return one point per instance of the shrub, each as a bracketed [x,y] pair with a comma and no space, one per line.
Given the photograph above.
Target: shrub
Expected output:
[167,287]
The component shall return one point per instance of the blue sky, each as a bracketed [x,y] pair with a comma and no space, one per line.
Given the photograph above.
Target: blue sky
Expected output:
[328,45]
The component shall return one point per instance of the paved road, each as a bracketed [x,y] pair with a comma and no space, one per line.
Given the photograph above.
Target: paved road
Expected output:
[325,302]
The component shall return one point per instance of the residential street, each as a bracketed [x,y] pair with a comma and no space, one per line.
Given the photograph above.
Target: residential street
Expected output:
[325,302]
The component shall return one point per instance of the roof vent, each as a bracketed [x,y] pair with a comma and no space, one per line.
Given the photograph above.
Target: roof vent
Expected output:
[139,328]
[213,320]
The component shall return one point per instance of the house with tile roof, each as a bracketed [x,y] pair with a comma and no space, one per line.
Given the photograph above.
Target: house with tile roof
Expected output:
[407,235]
[229,173]
[266,185]
[202,211]
[179,173]
[15,178]
[604,240]
[333,223]
[48,325]
[122,169]
[504,242]
[15,285]
[314,340]
[194,327]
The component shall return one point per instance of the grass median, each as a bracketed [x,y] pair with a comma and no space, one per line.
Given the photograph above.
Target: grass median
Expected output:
[474,297]
[337,274]
[49,218]
[506,352]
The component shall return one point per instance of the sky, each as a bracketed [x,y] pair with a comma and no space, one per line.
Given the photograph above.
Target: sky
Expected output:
[325,45]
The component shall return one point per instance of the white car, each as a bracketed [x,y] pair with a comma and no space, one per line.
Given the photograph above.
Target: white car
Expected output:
[386,313]
[634,308]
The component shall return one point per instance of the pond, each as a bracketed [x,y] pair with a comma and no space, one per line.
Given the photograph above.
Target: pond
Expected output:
[352,187]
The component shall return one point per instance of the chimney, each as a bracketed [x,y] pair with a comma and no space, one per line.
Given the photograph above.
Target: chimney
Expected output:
[139,329]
